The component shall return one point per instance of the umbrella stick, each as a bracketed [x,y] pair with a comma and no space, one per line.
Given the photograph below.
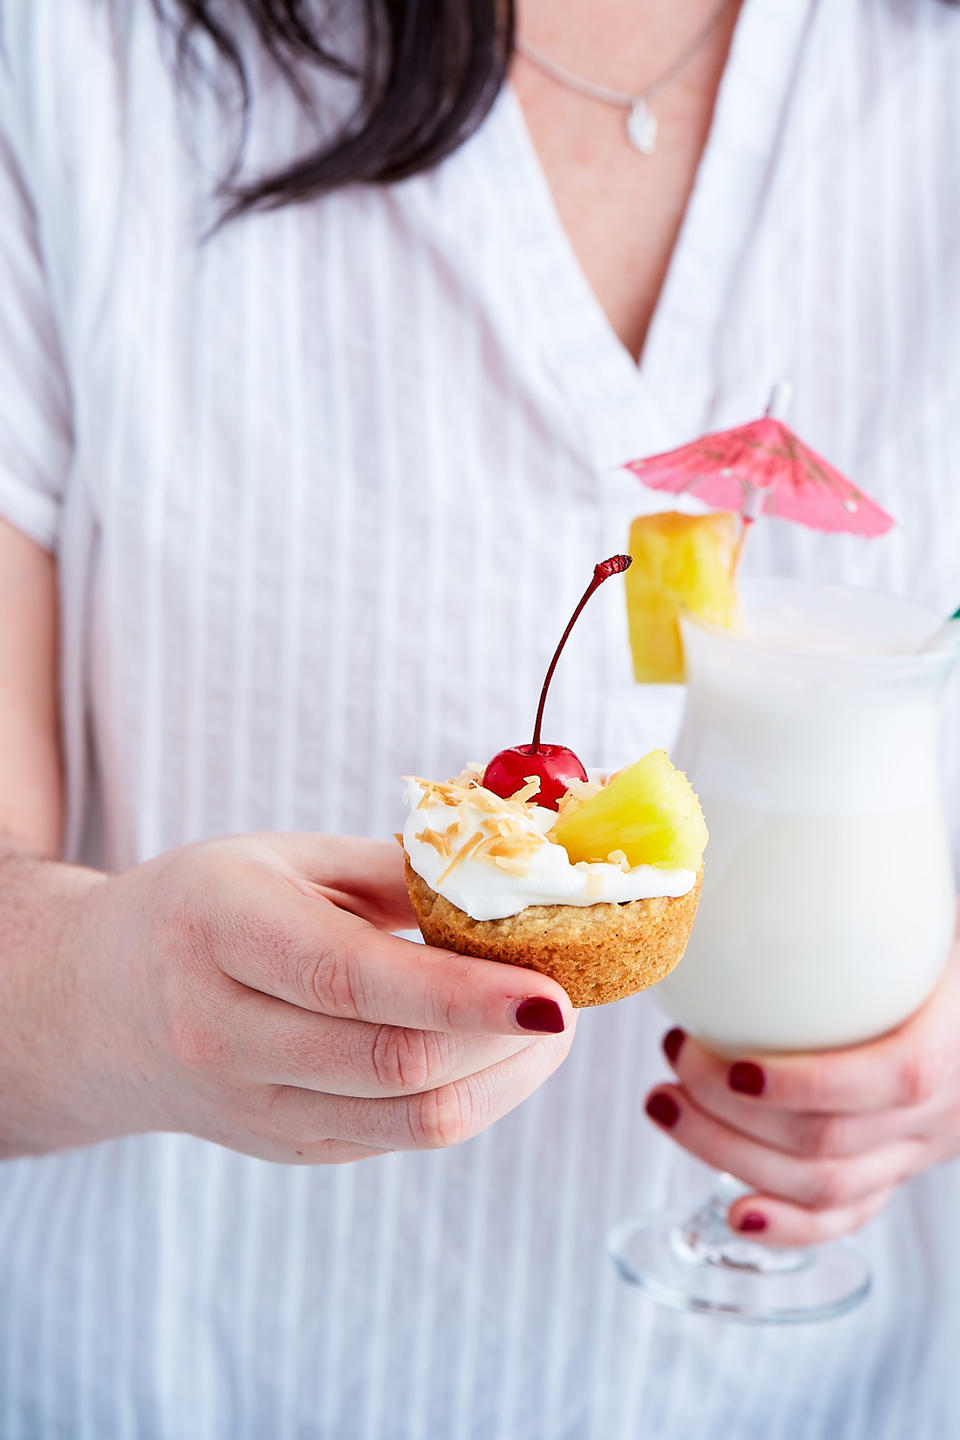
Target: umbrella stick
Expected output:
[745,524]
[779,402]
[777,407]
[749,510]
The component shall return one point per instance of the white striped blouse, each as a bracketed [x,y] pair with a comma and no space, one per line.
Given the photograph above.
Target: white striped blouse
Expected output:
[323,489]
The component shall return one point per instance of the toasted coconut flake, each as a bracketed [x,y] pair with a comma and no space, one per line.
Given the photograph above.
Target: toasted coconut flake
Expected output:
[578,791]
[568,803]
[617,857]
[513,846]
[595,884]
[512,866]
[584,789]
[440,843]
[502,837]
[467,849]
[486,800]
[511,851]
[442,792]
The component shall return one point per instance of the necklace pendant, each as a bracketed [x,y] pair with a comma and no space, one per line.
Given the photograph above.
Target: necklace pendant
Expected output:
[642,127]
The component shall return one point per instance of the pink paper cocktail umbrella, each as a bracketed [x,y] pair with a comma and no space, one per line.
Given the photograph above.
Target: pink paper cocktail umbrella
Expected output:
[764,468]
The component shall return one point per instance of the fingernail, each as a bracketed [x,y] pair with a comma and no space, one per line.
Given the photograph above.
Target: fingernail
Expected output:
[746,1078]
[664,1109]
[752,1222]
[540,1014]
[673,1043]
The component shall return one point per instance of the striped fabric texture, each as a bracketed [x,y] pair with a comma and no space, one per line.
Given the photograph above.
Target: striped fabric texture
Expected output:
[324,485]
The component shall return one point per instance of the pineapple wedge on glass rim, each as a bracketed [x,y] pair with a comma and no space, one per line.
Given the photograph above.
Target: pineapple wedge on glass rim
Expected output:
[680,562]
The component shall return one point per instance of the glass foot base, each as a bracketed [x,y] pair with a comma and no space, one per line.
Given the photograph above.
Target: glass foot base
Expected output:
[656,1254]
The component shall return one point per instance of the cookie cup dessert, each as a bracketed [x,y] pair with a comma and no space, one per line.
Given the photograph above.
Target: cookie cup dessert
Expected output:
[599,895]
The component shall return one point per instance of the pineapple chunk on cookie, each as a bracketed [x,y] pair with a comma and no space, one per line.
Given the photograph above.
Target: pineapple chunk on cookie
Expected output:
[648,813]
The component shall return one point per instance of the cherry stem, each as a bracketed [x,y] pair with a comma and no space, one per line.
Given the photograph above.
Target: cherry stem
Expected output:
[614,566]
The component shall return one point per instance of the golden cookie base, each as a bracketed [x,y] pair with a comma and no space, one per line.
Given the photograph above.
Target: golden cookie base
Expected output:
[598,953]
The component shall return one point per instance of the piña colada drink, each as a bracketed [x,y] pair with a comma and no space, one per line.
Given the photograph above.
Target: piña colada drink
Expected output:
[812,740]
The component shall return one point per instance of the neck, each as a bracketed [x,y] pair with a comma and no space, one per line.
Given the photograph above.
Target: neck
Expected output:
[622,210]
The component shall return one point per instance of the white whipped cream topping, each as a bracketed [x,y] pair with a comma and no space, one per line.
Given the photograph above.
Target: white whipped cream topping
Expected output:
[490,888]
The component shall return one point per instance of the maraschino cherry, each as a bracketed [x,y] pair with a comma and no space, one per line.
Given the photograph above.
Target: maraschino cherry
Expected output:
[554,765]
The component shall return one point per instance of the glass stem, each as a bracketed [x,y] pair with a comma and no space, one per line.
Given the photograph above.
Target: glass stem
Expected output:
[706,1238]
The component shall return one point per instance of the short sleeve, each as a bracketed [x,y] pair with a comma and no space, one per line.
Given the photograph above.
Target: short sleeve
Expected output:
[36,438]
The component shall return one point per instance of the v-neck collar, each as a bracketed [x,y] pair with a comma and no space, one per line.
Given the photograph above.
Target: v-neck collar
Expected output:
[629,410]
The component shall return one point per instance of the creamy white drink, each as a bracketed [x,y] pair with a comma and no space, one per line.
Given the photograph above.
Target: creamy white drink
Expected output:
[828,903]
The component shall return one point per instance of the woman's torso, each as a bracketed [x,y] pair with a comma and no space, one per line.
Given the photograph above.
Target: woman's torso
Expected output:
[337,475]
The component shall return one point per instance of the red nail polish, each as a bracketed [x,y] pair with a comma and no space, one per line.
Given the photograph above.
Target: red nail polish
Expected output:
[752,1222]
[540,1014]
[746,1078]
[673,1043]
[664,1110]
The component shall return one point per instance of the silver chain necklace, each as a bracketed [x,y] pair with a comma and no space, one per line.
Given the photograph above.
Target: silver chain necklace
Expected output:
[641,122]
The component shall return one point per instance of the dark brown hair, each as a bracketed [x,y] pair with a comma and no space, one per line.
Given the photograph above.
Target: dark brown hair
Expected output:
[428,74]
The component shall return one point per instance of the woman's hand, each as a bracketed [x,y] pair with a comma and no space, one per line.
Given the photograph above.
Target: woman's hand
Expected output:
[245,990]
[825,1139]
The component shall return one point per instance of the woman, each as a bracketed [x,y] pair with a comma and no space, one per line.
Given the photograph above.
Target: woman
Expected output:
[317,465]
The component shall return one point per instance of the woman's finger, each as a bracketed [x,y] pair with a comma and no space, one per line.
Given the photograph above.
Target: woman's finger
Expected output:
[363,876]
[902,1069]
[819,1184]
[266,1041]
[281,936]
[775,1222]
[301,1123]
[811,1134]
